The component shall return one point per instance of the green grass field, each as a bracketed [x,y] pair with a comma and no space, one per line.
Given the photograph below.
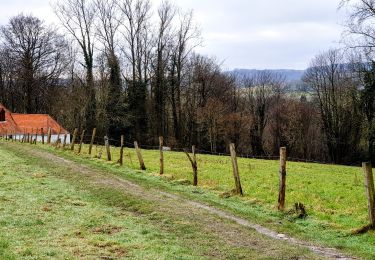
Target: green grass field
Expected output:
[334,195]
[48,211]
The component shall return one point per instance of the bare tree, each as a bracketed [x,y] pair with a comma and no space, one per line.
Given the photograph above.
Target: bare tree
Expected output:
[361,36]
[37,52]
[337,96]
[109,21]
[360,31]
[263,91]
[135,30]
[205,85]
[77,17]
[186,39]
[166,13]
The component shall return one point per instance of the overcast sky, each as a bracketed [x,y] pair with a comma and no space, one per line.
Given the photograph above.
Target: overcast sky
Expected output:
[260,34]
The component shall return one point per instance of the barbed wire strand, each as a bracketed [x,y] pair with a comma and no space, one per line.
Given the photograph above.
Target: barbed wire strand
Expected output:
[100,141]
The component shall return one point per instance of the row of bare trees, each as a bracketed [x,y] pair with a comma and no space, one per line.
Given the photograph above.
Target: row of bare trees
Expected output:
[127,67]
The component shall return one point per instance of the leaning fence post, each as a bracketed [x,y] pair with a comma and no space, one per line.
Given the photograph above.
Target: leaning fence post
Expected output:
[49,135]
[161,141]
[31,136]
[74,139]
[139,155]
[282,180]
[193,161]
[236,175]
[369,185]
[42,132]
[121,159]
[92,140]
[81,141]
[106,142]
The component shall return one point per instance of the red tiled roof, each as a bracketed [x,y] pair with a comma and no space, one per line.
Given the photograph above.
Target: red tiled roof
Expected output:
[9,126]
[29,123]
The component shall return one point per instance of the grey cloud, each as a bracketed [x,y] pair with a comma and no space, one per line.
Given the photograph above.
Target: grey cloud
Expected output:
[244,33]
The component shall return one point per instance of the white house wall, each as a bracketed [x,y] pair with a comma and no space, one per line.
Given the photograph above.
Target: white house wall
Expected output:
[53,138]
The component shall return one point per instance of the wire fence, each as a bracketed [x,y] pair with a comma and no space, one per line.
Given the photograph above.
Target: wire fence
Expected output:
[100,141]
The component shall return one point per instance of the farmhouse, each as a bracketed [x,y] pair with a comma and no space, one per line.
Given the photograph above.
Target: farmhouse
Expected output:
[35,124]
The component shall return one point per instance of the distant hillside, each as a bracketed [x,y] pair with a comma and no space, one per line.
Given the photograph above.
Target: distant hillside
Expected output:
[290,75]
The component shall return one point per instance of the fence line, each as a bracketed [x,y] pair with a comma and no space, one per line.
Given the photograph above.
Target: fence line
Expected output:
[114,142]
[367,168]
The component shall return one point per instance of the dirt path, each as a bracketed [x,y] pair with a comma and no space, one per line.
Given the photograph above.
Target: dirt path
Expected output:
[233,229]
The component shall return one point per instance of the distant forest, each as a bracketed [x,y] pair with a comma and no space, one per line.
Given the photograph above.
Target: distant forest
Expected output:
[126,67]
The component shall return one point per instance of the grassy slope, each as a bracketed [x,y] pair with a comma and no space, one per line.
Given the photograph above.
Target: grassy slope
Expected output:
[334,195]
[48,211]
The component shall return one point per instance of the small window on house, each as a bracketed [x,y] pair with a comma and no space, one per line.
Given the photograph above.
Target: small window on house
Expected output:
[2,115]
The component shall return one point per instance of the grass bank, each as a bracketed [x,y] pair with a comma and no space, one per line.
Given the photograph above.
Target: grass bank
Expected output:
[50,210]
[333,195]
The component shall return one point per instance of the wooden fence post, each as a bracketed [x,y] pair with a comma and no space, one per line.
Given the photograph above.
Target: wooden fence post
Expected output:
[108,149]
[42,132]
[139,155]
[282,180]
[36,136]
[121,159]
[49,135]
[161,141]
[193,161]
[58,142]
[74,139]
[64,143]
[236,175]
[92,140]
[370,192]
[31,136]
[100,151]
[81,141]
[58,138]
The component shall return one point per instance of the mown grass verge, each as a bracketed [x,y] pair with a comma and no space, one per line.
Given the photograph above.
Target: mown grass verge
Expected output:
[50,212]
[333,195]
